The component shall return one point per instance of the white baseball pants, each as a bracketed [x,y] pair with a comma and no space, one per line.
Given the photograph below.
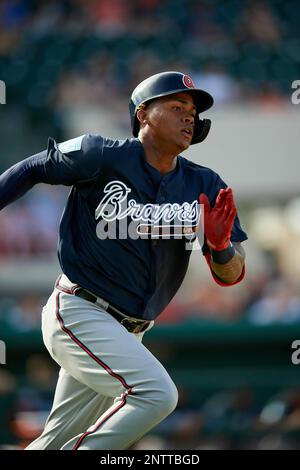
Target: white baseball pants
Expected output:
[111,390]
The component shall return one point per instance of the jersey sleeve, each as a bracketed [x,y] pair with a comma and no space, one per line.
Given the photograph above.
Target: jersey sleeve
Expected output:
[212,191]
[21,177]
[74,161]
[71,162]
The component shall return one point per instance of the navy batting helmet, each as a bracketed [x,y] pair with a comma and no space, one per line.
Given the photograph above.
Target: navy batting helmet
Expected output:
[167,83]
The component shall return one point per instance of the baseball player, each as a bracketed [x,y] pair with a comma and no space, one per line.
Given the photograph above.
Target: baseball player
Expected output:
[133,207]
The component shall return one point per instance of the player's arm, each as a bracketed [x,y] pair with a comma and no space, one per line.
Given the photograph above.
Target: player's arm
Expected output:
[228,264]
[71,162]
[21,177]
[226,259]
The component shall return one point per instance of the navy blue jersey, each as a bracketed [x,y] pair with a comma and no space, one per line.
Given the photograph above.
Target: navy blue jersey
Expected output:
[115,191]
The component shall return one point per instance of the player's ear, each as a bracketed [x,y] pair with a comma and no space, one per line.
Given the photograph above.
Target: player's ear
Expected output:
[142,116]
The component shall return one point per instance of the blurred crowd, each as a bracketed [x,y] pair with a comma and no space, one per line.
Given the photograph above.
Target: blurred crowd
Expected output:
[240,418]
[29,227]
[79,52]
[262,300]
[235,419]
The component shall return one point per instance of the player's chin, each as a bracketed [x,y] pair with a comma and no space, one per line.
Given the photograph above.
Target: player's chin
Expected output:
[184,143]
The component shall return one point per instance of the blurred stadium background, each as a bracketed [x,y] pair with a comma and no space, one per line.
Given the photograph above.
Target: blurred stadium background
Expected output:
[69,68]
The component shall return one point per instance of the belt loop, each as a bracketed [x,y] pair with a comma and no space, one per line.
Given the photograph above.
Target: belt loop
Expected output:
[102,303]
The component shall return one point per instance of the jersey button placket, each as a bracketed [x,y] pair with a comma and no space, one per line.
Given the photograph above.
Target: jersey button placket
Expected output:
[161,193]
[161,199]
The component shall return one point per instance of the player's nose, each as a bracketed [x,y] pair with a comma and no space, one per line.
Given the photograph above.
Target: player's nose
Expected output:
[189,119]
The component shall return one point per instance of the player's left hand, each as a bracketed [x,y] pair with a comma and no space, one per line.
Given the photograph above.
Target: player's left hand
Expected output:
[217,221]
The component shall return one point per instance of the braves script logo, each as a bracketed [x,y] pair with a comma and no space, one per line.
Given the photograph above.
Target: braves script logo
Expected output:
[159,219]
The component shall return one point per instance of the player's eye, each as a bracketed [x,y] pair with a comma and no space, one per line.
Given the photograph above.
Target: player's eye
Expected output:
[177,108]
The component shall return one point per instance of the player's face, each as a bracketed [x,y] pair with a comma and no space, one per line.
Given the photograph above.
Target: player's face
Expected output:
[170,120]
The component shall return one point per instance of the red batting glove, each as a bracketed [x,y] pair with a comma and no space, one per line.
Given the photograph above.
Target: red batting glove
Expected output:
[217,221]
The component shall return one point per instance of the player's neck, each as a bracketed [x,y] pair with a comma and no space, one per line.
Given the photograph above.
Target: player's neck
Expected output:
[164,161]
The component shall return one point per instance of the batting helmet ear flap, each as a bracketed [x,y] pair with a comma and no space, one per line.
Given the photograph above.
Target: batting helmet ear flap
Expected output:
[201,130]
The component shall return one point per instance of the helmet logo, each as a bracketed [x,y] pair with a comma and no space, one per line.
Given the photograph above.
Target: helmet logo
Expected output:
[187,81]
